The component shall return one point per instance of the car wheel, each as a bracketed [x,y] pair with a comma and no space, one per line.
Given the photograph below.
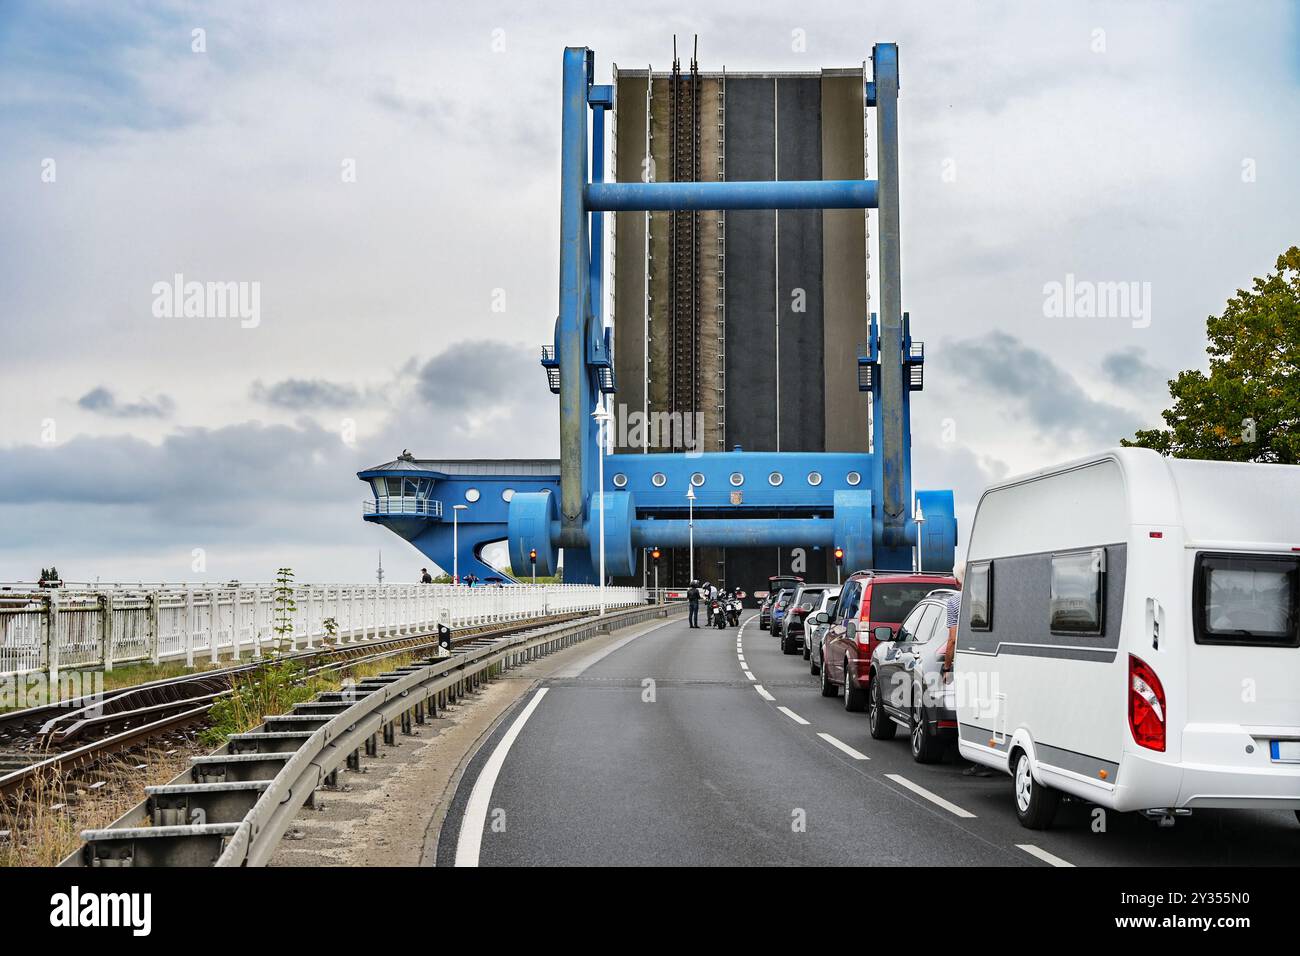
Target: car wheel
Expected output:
[925,749]
[1035,803]
[829,689]
[881,725]
[855,699]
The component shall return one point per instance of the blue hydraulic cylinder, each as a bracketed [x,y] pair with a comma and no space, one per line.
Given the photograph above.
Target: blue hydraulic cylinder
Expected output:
[777,194]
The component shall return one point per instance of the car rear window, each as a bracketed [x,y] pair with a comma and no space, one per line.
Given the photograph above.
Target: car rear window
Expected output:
[890,603]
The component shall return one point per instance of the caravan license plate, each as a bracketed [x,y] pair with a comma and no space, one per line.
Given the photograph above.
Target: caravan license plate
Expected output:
[1286,751]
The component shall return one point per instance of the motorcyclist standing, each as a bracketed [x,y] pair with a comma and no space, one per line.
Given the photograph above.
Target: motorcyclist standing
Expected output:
[693,605]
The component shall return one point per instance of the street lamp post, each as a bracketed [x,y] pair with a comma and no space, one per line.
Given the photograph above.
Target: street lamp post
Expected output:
[601,414]
[455,542]
[920,523]
[690,527]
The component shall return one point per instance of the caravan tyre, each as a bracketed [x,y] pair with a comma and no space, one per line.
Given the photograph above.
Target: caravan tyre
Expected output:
[1035,803]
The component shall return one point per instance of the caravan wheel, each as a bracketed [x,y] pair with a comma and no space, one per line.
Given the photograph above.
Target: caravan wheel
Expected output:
[1035,803]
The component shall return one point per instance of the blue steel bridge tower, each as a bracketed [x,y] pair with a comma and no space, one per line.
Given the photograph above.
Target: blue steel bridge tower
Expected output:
[858,500]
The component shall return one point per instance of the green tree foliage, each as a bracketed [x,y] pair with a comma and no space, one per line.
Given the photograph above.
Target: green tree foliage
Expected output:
[1248,407]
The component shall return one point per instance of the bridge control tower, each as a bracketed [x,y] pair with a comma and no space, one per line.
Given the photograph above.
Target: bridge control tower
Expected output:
[757,405]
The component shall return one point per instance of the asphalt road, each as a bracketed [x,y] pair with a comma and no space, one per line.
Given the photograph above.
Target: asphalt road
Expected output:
[666,752]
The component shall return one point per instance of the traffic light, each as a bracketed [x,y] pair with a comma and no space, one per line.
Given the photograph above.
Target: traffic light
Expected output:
[839,557]
[532,555]
[655,556]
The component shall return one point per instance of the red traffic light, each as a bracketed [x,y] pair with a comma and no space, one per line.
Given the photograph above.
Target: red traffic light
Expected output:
[532,554]
[839,555]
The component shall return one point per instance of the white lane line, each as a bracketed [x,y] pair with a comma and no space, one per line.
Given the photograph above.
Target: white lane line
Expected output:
[762,693]
[749,675]
[841,745]
[470,840]
[932,797]
[792,715]
[1043,855]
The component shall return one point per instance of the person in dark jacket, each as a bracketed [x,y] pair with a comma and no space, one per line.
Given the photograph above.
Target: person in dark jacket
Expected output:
[693,605]
[425,576]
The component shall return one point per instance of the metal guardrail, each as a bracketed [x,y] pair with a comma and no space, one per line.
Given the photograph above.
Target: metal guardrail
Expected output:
[233,806]
[79,627]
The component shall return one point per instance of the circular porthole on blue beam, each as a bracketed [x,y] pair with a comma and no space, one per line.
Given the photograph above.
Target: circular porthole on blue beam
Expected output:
[697,479]
[620,480]
[507,494]
[814,478]
[737,479]
[775,479]
[472,495]
[853,478]
[658,479]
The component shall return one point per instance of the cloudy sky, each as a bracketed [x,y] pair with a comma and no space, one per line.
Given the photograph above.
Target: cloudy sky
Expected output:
[381,169]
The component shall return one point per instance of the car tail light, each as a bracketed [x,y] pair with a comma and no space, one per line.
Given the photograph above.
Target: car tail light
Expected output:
[1146,705]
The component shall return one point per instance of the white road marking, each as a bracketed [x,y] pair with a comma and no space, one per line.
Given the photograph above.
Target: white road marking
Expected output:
[841,745]
[749,675]
[1043,855]
[476,809]
[792,715]
[762,693]
[932,797]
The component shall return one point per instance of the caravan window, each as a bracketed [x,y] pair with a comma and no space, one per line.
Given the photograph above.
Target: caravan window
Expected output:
[979,590]
[1078,592]
[1246,600]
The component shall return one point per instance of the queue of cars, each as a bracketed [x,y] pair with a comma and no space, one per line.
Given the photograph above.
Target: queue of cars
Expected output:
[879,640]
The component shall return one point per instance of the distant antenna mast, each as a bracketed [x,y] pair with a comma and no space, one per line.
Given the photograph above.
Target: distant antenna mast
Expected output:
[379,575]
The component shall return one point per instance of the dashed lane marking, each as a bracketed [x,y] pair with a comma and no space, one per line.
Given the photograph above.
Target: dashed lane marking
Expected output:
[762,693]
[792,715]
[1043,855]
[841,745]
[932,797]
[750,675]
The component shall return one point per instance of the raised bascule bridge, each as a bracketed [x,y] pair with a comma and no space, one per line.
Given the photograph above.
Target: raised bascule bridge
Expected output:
[758,403]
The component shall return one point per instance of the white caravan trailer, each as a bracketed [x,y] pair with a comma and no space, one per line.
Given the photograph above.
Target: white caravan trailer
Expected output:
[1130,635]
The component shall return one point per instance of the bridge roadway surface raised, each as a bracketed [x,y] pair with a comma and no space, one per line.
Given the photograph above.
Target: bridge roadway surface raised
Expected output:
[712,772]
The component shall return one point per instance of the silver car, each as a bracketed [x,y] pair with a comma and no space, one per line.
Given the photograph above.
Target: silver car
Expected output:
[816,628]
[909,687]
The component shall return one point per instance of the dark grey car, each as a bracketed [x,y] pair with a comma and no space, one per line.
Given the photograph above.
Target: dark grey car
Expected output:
[908,686]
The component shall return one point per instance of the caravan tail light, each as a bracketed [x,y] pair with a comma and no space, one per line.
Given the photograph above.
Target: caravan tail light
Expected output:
[1146,705]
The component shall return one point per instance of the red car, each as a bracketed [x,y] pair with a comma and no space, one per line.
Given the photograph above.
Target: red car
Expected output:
[868,600]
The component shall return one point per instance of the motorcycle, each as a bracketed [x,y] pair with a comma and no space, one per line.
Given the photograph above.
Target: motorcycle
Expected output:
[733,612]
[717,615]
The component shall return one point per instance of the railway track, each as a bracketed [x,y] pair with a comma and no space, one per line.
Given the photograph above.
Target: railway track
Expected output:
[232,806]
[63,737]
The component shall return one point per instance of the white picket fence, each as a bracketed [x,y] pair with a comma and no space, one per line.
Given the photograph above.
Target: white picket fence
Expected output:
[89,626]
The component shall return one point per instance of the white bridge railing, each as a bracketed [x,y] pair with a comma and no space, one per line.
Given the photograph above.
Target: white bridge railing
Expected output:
[93,626]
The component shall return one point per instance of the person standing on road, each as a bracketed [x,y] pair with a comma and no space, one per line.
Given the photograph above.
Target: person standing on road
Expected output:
[693,605]
[950,651]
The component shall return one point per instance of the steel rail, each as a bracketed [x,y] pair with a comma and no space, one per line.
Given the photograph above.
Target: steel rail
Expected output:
[167,715]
